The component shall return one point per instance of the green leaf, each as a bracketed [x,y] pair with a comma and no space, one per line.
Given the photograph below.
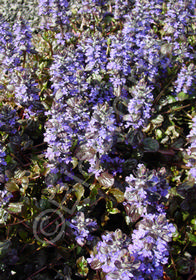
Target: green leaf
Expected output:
[185,215]
[109,205]
[82,266]
[150,145]
[19,174]
[118,195]
[23,235]
[44,204]
[193,222]
[129,165]
[79,191]
[114,211]
[12,186]
[158,133]
[15,207]
[4,247]
[94,191]
[74,162]
[108,19]
[178,143]
[25,182]
[192,238]
[8,159]
[3,216]
[183,265]
[158,120]
[182,96]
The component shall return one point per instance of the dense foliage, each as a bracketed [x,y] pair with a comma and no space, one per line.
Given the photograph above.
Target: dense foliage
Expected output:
[97,139]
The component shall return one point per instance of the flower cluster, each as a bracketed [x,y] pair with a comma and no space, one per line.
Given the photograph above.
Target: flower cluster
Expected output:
[27,93]
[112,163]
[145,193]
[17,79]
[119,63]
[139,107]
[141,41]
[82,227]
[186,79]
[64,71]
[178,19]
[2,165]
[66,124]
[94,50]
[15,43]
[85,12]
[191,149]
[22,37]
[140,257]
[99,134]
[135,59]
[8,119]
[13,9]
[4,194]
[113,258]
[121,8]
[55,12]
[146,251]
[8,53]
[80,73]
[150,245]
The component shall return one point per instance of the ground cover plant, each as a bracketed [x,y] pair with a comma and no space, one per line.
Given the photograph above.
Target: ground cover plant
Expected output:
[97,139]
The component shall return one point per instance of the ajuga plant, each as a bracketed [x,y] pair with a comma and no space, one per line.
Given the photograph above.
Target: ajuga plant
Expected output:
[191,149]
[9,55]
[4,195]
[141,255]
[97,140]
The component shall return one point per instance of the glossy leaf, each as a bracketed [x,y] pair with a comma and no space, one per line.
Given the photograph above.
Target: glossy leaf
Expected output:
[15,207]
[106,180]
[119,195]
[79,191]
[150,145]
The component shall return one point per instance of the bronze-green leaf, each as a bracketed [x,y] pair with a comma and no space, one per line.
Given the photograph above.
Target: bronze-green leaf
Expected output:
[106,180]
[150,145]
[15,207]
[79,191]
[12,186]
[118,195]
